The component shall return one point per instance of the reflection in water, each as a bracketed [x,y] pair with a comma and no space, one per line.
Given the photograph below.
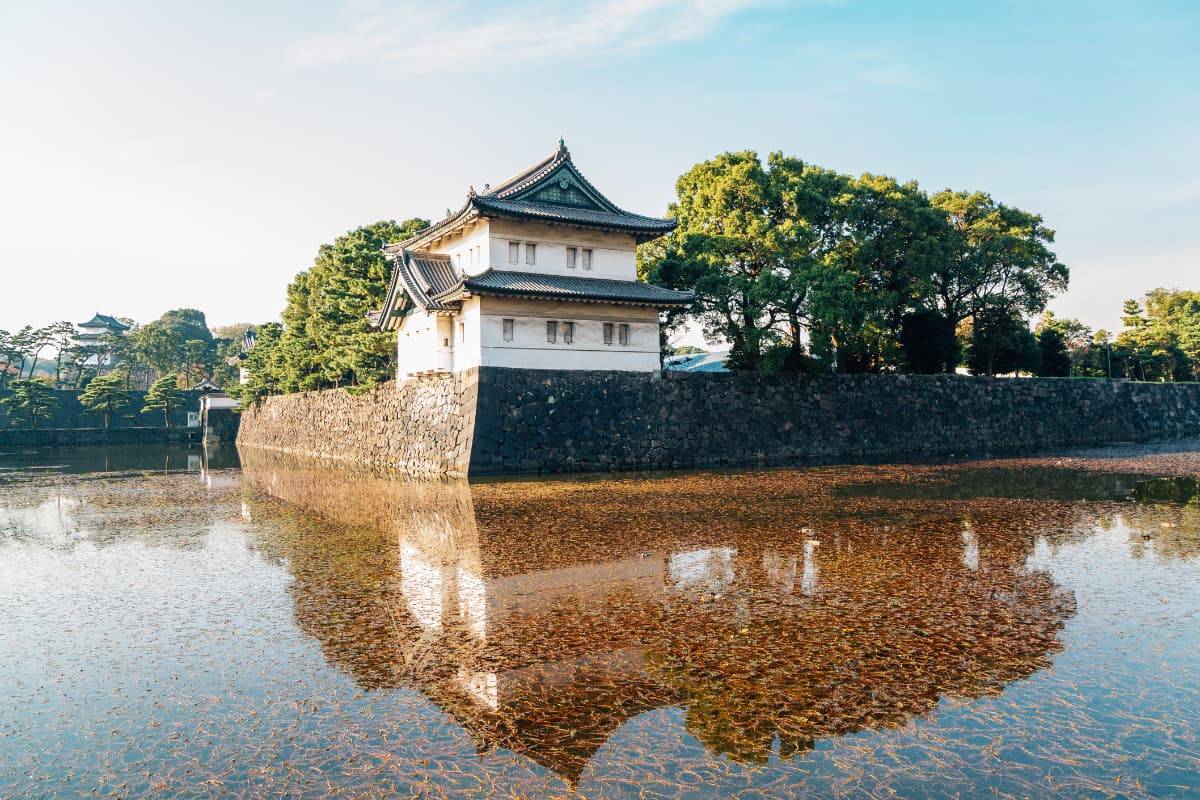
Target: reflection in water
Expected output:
[855,631]
[542,618]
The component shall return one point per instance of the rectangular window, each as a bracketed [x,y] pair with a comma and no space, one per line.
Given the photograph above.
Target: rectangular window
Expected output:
[608,332]
[623,334]
[587,258]
[462,331]
[530,253]
[551,331]
[572,252]
[514,252]
[508,326]
[568,332]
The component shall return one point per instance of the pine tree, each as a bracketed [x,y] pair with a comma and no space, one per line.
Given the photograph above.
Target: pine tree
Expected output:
[106,394]
[32,398]
[165,395]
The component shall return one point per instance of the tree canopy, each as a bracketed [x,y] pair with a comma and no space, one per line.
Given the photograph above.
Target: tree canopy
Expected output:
[326,339]
[106,394]
[800,267]
[164,395]
[31,399]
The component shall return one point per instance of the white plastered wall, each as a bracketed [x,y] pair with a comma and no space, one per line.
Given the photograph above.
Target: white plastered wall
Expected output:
[530,349]
[613,254]
[423,343]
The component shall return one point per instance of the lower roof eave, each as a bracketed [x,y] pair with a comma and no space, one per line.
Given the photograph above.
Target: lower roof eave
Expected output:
[606,301]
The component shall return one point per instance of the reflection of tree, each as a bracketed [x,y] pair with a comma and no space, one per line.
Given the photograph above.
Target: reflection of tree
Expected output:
[891,629]
[543,615]
[174,509]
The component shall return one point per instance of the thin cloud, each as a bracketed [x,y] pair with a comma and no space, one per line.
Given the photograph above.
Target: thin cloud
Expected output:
[418,39]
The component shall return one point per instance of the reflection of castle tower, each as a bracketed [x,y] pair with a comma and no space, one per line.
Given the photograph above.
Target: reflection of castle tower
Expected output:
[543,616]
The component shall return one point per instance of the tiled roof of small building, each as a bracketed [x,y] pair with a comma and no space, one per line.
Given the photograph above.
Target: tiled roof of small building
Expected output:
[622,221]
[552,190]
[99,320]
[433,283]
[571,287]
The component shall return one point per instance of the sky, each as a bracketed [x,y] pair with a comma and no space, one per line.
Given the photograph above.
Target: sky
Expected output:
[155,155]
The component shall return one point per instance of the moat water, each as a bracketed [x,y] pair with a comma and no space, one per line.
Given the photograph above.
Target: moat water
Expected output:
[177,624]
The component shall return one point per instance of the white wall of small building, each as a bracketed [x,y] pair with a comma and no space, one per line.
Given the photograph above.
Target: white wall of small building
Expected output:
[530,348]
[614,255]
[468,247]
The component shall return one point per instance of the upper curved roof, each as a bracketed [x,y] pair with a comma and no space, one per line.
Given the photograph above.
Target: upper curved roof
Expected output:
[99,320]
[552,190]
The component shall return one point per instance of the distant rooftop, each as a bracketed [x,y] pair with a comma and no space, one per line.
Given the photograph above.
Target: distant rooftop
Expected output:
[99,320]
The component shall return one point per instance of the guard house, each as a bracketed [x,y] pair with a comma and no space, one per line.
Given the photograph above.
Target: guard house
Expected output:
[538,272]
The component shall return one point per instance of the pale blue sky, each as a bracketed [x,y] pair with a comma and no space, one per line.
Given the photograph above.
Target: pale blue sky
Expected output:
[154,155]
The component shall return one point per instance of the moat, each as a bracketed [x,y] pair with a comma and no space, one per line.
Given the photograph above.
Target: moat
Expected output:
[180,624]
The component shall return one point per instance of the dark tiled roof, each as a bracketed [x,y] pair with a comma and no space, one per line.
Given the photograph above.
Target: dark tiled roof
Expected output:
[622,221]
[531,194]
[104,321]
[427,278]
[570,287]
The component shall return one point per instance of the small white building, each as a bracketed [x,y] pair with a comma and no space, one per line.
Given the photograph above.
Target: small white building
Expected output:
[91,335]
[538,272]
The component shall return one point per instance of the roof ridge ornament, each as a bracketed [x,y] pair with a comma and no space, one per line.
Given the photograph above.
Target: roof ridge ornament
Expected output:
[562,148]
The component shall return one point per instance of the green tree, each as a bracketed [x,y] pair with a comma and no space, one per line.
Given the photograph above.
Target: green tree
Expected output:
[997,256]
[164,395]
[62,338]
[1055,358]
[1000,343]
[263,364]
[33,399]
[929,342]
[1161,340]
[106,394]
[893,241]
[327,338]
[753,241]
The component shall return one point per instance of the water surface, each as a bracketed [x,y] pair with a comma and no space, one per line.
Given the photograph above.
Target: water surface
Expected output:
[177,625]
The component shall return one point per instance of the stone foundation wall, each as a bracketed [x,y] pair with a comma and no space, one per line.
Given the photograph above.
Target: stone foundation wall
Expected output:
[500,421]
[421,426]
[569,421]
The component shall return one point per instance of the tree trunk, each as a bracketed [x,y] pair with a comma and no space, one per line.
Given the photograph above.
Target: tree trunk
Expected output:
[167,415]
[107,414]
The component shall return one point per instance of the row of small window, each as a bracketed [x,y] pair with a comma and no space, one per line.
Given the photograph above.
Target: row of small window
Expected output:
[576,256]
[555,328]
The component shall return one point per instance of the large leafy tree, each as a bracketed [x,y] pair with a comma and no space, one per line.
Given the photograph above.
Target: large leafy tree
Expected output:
[893,241]
[997,256]
[106,394]
[753,242]
[32,399]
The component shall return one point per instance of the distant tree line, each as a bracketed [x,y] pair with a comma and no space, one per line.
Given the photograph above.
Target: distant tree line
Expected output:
[172,353]
[179,344]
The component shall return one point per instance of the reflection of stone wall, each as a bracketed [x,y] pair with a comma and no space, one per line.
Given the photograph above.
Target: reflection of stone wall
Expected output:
[557,421]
